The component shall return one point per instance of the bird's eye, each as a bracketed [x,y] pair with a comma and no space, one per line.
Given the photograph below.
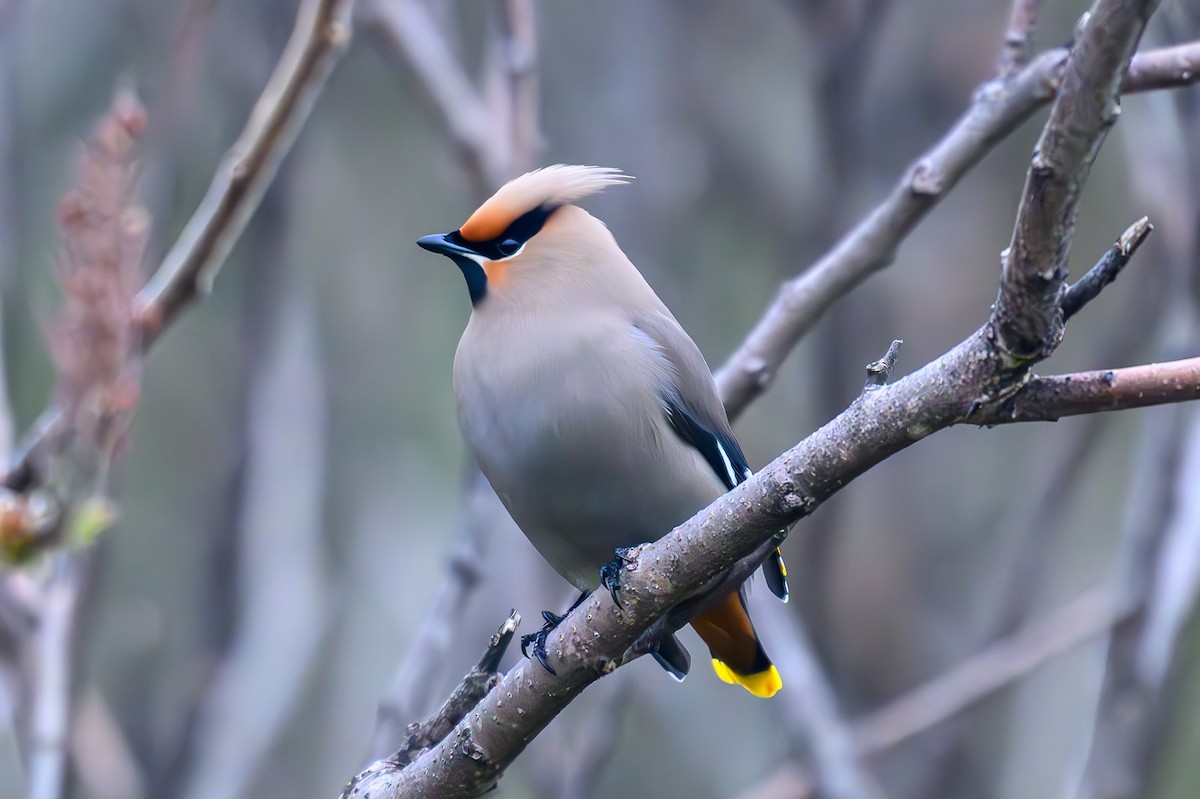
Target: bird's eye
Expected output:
[508,246]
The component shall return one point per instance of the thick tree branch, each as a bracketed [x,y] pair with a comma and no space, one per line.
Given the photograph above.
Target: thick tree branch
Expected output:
[594,639]
[1029,315]
[998,108]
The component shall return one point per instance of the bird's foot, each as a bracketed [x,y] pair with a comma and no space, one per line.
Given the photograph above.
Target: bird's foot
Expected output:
[610,573]
[538,640]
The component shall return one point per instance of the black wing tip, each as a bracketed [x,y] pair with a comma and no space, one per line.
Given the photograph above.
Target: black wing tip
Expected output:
[673,657]
[723,454]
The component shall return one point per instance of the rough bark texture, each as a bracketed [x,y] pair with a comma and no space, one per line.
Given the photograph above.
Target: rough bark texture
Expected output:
[1029,315]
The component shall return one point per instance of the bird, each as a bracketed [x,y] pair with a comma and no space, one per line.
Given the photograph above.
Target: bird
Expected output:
[587,406]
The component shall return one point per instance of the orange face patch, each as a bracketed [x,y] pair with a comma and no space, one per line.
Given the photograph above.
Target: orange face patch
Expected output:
[488,222]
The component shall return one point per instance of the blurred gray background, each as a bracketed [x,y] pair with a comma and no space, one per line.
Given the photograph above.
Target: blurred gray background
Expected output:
[293,486]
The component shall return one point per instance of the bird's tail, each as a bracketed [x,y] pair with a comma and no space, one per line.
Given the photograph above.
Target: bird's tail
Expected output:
[738,657]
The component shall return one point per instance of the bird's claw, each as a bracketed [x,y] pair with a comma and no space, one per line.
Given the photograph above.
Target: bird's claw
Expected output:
[538,641]
[610,574]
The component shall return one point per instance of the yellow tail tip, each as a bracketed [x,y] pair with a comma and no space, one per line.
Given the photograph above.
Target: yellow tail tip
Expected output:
[764,683]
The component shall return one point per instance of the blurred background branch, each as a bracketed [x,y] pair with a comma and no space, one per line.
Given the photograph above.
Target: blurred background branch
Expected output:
[995,668]
[493,127]
[65,469]
[998,108]
[492,124]
[1158,570]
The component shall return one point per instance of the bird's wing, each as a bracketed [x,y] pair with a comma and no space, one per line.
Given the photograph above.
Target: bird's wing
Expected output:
[695,413]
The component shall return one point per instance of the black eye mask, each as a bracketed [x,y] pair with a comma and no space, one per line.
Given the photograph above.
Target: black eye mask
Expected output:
[512,239]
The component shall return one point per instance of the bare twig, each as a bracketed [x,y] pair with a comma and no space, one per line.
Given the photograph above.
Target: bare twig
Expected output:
[321,34]
[1088,287]
[496,139]
[879,372]
[1163,68]
[1018,37]
[1046,399]
[998,108]
[379,779]
[51,666]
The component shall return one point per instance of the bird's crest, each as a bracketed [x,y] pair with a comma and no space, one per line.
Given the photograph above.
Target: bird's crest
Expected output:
[552,185]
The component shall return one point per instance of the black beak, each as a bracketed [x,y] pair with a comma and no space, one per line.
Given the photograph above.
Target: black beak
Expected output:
[441,244]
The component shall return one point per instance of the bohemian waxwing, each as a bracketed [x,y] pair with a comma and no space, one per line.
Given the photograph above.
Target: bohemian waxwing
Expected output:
[589,409]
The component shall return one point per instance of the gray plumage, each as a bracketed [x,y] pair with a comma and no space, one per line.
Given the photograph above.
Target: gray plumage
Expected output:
[588,408]
[562,379]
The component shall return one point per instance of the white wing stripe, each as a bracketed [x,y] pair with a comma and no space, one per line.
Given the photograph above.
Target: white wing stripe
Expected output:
[728,464]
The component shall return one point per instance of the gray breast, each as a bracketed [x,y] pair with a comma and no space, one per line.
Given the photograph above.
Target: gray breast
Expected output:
[574,440]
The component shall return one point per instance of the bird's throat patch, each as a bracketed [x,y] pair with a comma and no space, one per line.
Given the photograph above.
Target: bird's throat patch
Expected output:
[497,273]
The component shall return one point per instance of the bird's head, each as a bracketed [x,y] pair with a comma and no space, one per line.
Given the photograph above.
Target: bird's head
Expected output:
[504,231]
